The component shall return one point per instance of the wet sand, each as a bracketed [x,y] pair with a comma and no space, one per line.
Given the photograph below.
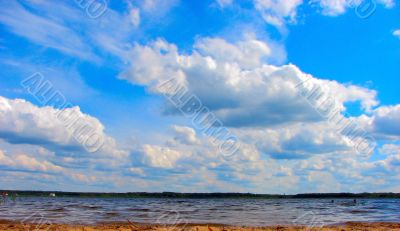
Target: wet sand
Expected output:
[14,226]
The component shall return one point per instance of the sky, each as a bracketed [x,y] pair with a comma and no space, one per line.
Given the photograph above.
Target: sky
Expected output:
[260,96]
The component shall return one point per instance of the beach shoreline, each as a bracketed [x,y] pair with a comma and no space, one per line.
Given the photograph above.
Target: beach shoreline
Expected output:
[128,226]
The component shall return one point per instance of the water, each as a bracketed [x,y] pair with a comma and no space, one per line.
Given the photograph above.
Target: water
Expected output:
[250,212]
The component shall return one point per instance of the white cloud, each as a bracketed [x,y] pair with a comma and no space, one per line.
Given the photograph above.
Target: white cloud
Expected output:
[185,135]
[390,149]
[386,120]
[161,157]
[396,33]
[382,123]
[137,171]
[344,170]
[278,12]
[59,170]
[58,130]
[248,53]
[281,12]
[323,182]
[83,178]
[298,141]
[236,84]
[274,12]
[338,7]
[263,106]
[70,30]
[42,31]
[241,92]
[22,162]
[333,7]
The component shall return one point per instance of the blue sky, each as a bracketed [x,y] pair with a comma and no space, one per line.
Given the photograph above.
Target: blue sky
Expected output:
[242,60]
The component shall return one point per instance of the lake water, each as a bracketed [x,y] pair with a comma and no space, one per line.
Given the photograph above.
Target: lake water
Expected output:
[251,212]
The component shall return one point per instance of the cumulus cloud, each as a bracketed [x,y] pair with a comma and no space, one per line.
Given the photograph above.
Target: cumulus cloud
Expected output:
[390,149]
[386,120]
[381,123]
[236,84]
[248,53]
[396,33]
[60,130]
[344,170]
[55,170]
[298,141]
[275,113]
[22,162]
[161,157]
[185,135]
[287,113]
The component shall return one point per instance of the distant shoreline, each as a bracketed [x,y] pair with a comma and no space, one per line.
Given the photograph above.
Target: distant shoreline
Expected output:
[197,195]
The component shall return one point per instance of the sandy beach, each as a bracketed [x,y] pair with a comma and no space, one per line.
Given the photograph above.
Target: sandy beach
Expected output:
[14,226]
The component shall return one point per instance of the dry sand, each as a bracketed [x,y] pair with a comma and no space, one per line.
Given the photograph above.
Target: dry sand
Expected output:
[14,226]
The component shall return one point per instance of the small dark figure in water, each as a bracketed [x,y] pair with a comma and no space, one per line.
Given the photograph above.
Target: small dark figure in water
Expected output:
[332,201]
[355,201]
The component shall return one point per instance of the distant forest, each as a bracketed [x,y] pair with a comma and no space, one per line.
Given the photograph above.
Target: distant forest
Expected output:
[196,195]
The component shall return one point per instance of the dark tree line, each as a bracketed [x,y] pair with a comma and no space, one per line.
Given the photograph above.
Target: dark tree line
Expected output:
[199,195]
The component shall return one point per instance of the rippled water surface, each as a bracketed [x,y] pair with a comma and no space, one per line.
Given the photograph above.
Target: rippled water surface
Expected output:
[255,212]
